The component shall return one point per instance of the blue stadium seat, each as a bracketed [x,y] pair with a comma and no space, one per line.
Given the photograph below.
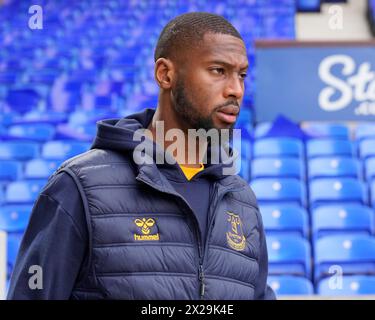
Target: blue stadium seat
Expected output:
[333,190]
[329,148]
[10,170]
[34,132]
[354,254]
[332,167]
[62,150]
[277,168]
[290,285]
[367,148]
[328,130]
[278,147]
[40,169]
[282,190]
[284,219]
[347,286]
[370,169]
[364,131]
[23,192]
[289,255]
[336,219]
[18,150]
[22,100]
[14,218]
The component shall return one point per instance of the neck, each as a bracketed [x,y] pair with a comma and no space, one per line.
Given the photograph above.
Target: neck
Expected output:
[183,147]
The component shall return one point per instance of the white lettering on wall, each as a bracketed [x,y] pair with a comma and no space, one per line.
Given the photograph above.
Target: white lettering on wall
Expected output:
[356,84]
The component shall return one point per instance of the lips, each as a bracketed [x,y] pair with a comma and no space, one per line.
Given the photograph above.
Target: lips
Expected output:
[228,114]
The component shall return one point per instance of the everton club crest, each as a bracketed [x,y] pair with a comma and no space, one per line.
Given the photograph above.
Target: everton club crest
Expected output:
[235,238]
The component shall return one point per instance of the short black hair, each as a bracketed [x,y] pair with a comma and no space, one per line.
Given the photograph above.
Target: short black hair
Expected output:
[186,30]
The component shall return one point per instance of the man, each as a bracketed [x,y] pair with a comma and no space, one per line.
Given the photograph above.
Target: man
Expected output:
[109,226]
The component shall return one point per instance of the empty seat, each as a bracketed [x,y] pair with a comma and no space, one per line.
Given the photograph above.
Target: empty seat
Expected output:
[23,192]
[18,150]
[364,131]
[62,150]
[353,254]
[289,255]
[36,132]
[336,219]
[328,130]
[333,167]
[278,147]
[347,286]
[10,170]
[40,169]
[334,190]
[290,285]
[277,168]
[22,100]
[284,219]
[329,148]
[14,218]
[367,148]
[283,190]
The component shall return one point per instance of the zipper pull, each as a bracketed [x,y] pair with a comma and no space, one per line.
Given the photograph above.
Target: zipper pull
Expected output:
[201,279]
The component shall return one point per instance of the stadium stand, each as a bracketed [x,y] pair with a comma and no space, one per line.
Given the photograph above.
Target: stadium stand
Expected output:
[94,61]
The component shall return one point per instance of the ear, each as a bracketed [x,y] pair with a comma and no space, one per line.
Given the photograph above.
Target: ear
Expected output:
[164,73]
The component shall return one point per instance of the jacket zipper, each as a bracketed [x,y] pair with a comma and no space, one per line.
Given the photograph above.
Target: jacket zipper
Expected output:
[201,255]
[197,233]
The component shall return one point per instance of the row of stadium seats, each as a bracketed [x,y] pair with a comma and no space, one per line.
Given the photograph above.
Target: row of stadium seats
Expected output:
[292,147]
[324,220]
[265,147]
[325,130]
[42,126]
[339,286]
[320,167]
[321,191]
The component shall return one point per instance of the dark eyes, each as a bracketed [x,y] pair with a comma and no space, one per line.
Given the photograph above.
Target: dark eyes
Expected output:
[221,71]
[218,70]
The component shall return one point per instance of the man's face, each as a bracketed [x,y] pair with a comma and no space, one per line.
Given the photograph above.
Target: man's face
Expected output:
[210,85]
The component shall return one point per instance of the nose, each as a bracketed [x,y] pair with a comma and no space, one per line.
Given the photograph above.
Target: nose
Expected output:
[234,87]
